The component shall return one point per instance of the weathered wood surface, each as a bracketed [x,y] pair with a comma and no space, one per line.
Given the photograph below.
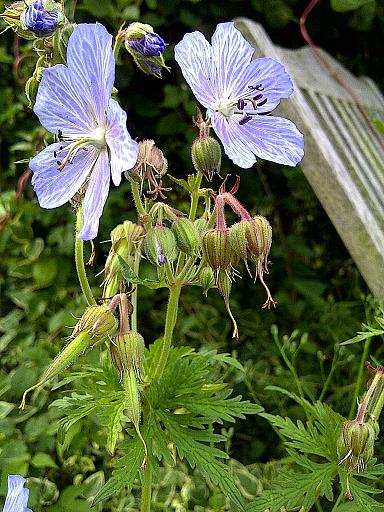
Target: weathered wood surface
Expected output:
[344,153]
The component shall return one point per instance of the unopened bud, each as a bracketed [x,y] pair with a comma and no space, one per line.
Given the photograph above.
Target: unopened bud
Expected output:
[187,236]
[31,88]
[356,444]
[42,17]
[127,351]
[217,249]
[206,279]
[98,321]
[13,16]
[206,156]
[160,245]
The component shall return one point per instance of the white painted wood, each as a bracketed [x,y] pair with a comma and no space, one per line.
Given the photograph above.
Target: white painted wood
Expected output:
[344,152]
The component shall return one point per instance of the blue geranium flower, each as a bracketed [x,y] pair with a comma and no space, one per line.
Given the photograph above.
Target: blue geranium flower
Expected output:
[151,45]
[237,93]
[40,21]
[75,102]
[17,497]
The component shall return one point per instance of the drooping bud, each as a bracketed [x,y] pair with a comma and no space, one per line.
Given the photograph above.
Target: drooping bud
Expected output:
[98,321]
[356,444]
[206,156]
[206,279]
[127,351]
[160,245]
[146,48]
[42,17]
[187,236]
[224,285]
[217,249]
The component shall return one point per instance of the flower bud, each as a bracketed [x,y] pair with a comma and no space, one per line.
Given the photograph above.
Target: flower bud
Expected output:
[13,16]
[127,351]
[98,321]
[206,279]
[160,245]
[217,249]
[146,48]
[187,236]
[206,156]
[31,88]
[42,17]
[356,444]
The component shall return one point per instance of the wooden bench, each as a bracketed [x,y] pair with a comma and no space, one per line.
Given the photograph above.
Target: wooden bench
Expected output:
[344,149]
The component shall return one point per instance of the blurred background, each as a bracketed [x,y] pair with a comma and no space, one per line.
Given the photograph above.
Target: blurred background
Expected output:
[322,299]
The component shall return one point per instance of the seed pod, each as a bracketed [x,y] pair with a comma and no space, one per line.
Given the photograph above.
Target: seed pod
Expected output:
[206,279]
[67,356]
[206,156]
[259,238]
[127,351]
[356,444]
[98,321]
[187,236]
[238,239]
[201,225]
[160,245]
[217,249]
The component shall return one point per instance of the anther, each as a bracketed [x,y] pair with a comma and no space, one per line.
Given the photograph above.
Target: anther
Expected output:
[262,102]
[241,104]
[257,97]
[245,119]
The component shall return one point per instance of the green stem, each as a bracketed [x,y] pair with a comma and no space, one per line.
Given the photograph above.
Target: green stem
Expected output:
[170,321]
[290,366]
[330,375]
[56,52]
[79,260]
[147,490]
[341,496]
[375,413]
[136,197]
[136,266]
[195,194]
[364,357]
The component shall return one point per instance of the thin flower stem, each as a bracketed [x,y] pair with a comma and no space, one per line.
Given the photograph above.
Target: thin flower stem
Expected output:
[147,490]
[375,413]
[170,321]
[136,197]
[341,496]
[364,357]
[56,52]
[195,194]
[330,375]
[136,266]
[290,366]
[79,260]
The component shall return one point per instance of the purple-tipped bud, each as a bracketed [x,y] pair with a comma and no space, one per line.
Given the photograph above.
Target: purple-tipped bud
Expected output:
[160,245]
[217,249]
[42,17]
[356,444]
[206,156]
[187,236]
[151,45]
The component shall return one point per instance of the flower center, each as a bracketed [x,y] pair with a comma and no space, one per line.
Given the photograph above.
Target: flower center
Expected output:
[96,139]
[252,102]
[226,106]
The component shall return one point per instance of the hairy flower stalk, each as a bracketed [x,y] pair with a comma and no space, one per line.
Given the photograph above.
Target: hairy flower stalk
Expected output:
[238,93]
[97,324]
[93,144]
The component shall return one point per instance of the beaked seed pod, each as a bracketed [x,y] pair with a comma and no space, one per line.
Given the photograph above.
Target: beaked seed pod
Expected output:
[98,321]
[259,238]
[127,351]
[356,444]
[187,236]
[160,245]
[217,249]
[206,156]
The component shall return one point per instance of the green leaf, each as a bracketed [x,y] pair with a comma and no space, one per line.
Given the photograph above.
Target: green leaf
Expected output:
[131,277]
[43,460]
[114,427]
[362,336]
[348,5]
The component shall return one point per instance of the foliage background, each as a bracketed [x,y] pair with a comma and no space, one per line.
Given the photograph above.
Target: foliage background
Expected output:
[320,294]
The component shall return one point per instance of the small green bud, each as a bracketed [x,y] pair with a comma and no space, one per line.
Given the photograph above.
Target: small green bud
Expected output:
[98,321]
[206,279]
[160,245]
[31,88]
[356,444]
[187,236]
[127,351]
[217,249]
[206,156]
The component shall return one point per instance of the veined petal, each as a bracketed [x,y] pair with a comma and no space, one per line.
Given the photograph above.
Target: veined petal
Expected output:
[90,59]
[270,138]
[17,496]
[194,56]
[231,54]
[95,197]
[123,150]
[60,104]
[53,187]
[272,76]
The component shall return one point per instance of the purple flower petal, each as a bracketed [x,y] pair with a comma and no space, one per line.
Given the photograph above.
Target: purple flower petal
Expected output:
[270,138]
[90,58]
[60,105]
[123,150]
[95,197]
[231,54]
[53,187]
[17,496]
[194,56]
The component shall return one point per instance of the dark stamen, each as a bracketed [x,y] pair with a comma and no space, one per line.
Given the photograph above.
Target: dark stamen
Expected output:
[264,113]
[256,87]
[55,155]
[245,119]
[257,97]
[59,134]
[241,104]
[262,102]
